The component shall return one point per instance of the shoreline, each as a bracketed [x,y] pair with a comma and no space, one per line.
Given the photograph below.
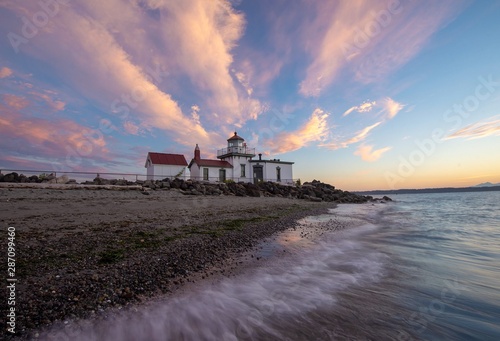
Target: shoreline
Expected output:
[82,254]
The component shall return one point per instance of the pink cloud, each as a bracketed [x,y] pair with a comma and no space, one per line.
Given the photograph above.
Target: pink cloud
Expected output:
[362,108]
[5,72]
[358,137]
[313,130]
[390,107]
[484,128]
[131,128]
[129,66]
[15,102]
[367,153]
[370,38]
[54,104]
[47,140]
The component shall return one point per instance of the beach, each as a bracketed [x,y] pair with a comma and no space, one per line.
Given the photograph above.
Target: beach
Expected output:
[115,264]
[81,252]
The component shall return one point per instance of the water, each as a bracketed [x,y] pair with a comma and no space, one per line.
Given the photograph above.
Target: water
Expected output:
[426,267]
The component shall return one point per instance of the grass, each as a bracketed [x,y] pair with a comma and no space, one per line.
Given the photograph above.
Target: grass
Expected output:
[111,256]
[237,224]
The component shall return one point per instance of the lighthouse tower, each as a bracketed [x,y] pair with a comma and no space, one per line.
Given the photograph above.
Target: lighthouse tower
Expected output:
[238,155]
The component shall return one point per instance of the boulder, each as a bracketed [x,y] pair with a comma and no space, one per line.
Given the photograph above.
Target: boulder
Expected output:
[11,177]
[252,190]
[165,184]
[34,179]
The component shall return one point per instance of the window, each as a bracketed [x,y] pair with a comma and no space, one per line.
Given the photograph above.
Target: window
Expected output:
[243,171]
[278,174]
[205,174]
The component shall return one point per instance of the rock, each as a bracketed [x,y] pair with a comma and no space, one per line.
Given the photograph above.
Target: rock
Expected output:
[33,179]
[195,192]
[386,198]
[59,180]
[100,181]
[121,182]
[252,190]
[11,177]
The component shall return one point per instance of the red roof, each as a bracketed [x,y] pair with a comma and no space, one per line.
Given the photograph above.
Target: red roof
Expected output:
[167,159]
[211,163]
[235,137]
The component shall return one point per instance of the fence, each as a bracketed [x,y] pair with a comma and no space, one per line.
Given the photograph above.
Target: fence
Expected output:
[82,177]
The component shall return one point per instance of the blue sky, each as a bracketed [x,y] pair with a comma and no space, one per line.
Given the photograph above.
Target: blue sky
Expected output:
[359,94]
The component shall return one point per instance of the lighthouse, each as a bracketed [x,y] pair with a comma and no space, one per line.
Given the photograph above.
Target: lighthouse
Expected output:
[236,163]
[238,154]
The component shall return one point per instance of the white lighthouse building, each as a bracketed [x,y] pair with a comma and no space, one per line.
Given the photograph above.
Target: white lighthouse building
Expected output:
[236,163]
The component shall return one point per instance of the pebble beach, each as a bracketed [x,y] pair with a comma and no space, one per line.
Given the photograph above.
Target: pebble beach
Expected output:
[83,252]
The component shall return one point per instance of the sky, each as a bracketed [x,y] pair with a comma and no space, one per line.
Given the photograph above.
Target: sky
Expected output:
[359,94]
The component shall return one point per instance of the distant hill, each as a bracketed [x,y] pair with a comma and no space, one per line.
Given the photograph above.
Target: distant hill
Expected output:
[492,187]
[487,184]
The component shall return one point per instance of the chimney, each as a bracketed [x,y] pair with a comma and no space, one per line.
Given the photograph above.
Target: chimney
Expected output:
[197,154]
[260,157]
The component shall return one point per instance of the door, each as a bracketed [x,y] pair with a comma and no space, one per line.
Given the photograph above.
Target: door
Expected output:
[222,175]
[258,174]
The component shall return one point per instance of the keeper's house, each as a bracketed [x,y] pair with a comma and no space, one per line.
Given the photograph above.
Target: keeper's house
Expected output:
[161,165]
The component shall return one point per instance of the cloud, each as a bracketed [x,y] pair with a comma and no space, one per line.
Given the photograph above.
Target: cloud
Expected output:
[387,106]
[15,102]
[391,107]
[480,129]
[56,140]
[367,153]
[362,134]
[56,105]
[130,62]
[315,129]
[362,108]
[41,99]
[367,38]
[202,35]
[195,109]
[243,79]
[131,128]
[358,137]
[5,72]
